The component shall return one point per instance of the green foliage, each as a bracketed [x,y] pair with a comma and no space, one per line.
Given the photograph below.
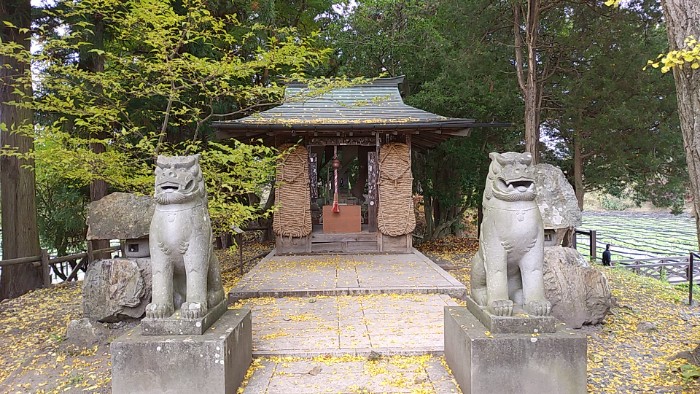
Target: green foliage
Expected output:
[161,71]
[623,119]
[231,173]
[684,57]
[61,216]
[690,371]
[613,203]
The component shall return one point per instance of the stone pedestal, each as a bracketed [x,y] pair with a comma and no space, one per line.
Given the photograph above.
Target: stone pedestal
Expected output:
[214,362]
[484,362]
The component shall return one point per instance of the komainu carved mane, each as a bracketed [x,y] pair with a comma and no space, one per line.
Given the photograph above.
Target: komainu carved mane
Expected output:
[507,269]
[186,273]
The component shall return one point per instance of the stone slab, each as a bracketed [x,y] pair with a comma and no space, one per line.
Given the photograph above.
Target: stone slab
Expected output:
[290,276]
[176,325]
[484,363]
[519,323]
[120,216]
[215,362]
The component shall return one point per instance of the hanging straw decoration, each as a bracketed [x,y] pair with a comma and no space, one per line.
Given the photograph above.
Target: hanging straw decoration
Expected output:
[395,216]
[292,218]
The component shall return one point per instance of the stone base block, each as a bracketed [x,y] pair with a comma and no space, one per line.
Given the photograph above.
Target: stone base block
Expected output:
[398,244]
[214,362]
[483,362]
[176,325]
[519,323]
[290,245]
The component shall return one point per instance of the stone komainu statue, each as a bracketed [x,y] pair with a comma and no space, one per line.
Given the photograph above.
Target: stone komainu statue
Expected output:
[507,269]
[186,273]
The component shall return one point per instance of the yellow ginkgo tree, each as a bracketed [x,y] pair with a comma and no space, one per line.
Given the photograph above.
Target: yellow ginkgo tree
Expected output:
[686,57]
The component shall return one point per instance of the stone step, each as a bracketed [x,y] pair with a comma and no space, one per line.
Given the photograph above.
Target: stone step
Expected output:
[309,276]
[312,376]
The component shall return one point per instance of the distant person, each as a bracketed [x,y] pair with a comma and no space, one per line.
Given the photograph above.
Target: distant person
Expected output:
[606,255]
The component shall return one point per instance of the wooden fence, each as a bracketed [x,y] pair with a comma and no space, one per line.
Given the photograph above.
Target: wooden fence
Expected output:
[45,262]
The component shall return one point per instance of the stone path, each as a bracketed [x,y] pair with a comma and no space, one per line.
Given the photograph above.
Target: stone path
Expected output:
[360,376]
[342,324]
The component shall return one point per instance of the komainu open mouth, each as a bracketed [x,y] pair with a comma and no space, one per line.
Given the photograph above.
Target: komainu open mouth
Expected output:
[169,187]
[519,185]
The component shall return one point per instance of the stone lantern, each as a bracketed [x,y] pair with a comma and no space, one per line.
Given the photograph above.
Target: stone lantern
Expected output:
[125,217]
[558,205]
[120,288]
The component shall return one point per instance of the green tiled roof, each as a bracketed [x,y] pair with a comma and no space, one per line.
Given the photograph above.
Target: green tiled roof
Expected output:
[376,107]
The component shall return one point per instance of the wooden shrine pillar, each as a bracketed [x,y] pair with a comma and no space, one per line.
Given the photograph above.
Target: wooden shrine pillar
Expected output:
[372,190]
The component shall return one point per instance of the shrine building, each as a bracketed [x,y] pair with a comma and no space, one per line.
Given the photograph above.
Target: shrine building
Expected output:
[345,185]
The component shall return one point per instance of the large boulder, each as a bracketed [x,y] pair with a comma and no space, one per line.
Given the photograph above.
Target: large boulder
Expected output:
[578,292]
[117,289]
[85,333]
[556,200]
[120,216]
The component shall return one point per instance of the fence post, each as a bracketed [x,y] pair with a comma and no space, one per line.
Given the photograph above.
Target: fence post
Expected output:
[691,270]
[593,245]
[239,242]
[45,274]
[90,253]
[573,239]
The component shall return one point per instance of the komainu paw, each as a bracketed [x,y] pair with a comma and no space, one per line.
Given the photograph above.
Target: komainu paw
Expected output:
[539,308]
[502,308]
[158,311]
[192,310]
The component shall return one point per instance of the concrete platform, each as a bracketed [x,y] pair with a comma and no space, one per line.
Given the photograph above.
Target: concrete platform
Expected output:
[513,363]
[214,362]
[314,275]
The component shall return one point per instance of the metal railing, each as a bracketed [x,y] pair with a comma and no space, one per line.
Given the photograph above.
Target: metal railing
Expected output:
[691,270]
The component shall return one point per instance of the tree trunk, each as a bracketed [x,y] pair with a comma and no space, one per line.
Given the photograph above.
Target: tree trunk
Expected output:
[95,63]
[98,189]
[682,21]
[528,78]
[429,219]
[20,235]
[578,172]
[269,234]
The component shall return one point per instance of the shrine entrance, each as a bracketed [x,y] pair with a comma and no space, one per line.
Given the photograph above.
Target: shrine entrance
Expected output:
[341,184]
[343,188]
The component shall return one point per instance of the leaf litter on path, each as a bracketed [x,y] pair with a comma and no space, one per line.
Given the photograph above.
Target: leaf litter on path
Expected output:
[624,353]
